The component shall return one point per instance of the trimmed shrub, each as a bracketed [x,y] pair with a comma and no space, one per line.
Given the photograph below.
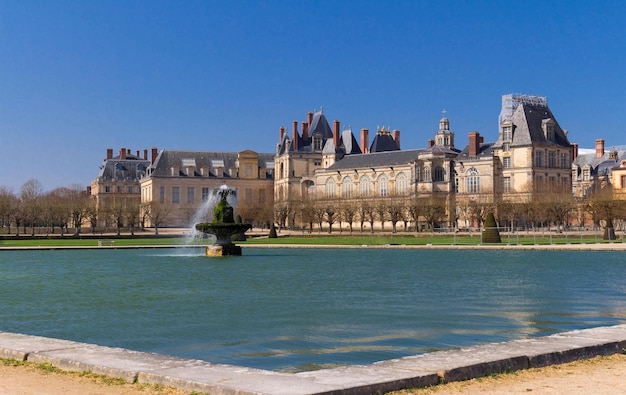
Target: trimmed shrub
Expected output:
[491,234]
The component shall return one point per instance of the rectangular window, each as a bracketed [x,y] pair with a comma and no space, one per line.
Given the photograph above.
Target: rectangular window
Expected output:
[107,189]
[205,194]
[191,192]
[473,184]
[507,162]
[539,159]
[130,189]
[552,159]
[507,185]
[175,195]
[507,134]
[564,164]
[162,195]
[506,147]
[248,195]
[623,181]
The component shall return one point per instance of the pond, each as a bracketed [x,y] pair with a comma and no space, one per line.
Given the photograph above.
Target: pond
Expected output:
[303,309]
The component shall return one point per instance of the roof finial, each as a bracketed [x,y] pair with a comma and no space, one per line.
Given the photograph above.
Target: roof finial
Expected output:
[322,109]
[444,112]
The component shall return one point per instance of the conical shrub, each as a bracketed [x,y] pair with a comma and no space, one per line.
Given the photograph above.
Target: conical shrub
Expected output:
[491,234]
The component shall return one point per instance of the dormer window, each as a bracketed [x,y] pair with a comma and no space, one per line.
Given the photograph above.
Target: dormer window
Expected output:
[507,133]
[317,142]
[548,129]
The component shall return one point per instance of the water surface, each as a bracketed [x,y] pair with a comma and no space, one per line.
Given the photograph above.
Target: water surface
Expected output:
[294,309]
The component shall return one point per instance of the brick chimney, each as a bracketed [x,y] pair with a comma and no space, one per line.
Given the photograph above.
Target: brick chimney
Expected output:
[396,137]
[364,140]
[295,136]
[309,118]
[109,153]
[599,148]
[575,150]
[282,133]
[122,153]
[128,152]
[305,131]
[138,154]
[430,143]
[145,154]
[336,133]
[154,153]
[474,144]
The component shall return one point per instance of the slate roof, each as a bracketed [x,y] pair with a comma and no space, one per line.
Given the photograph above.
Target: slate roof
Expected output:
[602,165]
[170,158]
[528,119]
[131,168]
[485,150]
[319,125]
[380,159]
[383,142]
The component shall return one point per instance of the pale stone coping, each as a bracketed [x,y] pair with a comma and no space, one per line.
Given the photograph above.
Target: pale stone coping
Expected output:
[408,372]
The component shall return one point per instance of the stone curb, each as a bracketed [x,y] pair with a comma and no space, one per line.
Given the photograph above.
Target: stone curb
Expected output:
[408,372]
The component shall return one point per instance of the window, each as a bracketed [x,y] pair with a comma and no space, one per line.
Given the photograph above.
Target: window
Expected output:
[347,187]
[330,187]
[317,163]
[427,177]
[364,184]
[107,189]
[539,158]
[129,189]
[418,174]
[401,184]
[162,195]
[175,195]
[439,174]
[472,181]
[506,147]
[507,133]
[317,142]
[586,174]
[383,185]
[507,185]
[191,191]
[205,194]
[506,162]
[552,159]
[564,164]
[623,181]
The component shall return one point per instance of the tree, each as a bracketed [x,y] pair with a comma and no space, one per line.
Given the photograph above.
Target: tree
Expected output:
[415,209]
[395,209]
[8,203]
[604,207]
[331,215]
[158,214]
[434,211]
[348,213]
[30,194]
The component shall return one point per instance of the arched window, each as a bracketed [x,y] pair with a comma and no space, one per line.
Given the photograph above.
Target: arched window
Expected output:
[330,187]
[472,181]
[383,185]
[364,184]
[439,174]
[347,187]
[401,184]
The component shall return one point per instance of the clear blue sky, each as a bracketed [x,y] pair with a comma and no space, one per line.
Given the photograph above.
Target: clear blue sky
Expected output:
[77,77]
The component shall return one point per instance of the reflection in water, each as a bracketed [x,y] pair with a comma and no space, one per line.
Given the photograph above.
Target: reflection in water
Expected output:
[301,309]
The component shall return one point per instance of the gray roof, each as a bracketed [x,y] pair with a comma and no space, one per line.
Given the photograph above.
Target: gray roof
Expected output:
[171,158]
[388,158]
[383,142]
[528,119]
[131,168]
[604,164]
[485,150]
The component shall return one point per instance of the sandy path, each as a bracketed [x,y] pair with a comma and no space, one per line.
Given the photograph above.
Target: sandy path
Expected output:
[602,375]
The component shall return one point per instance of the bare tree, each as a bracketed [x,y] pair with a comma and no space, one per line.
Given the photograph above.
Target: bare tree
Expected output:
[395,209]
[158,214]
[331,214]
[348,213]
[30,194]
[8,203]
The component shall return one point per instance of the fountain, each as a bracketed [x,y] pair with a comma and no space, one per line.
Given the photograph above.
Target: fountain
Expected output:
[223,226]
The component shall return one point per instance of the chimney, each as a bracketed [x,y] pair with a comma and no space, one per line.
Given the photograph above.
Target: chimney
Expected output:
[336,133]
[309,118]
[127,151]
[137,154]
[154,153]
[575,147]
[295,135]
[396,137]
[481,139]
[305,131]
[599,148]
[123,153]
[364,140]
[431,142]
[474,144]
[145,154]
[282,133]
[109,153]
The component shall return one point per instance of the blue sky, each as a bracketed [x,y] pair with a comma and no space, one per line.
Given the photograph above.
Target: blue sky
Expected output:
[77,77]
